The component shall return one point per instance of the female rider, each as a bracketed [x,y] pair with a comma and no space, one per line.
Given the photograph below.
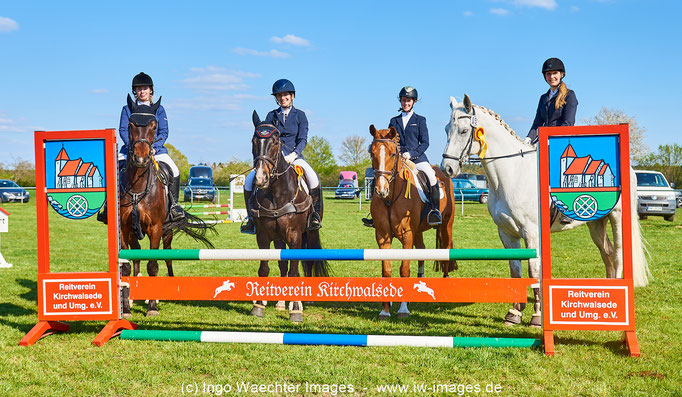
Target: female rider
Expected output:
[557,106]
[143,89]
[293,127]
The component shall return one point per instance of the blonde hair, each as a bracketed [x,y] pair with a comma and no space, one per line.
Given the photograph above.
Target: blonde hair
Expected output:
[561,96]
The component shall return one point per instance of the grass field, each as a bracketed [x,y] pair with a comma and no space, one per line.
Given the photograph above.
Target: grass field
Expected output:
[586,363]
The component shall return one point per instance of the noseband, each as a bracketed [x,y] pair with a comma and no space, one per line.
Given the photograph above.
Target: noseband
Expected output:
[265,133]
[141,120]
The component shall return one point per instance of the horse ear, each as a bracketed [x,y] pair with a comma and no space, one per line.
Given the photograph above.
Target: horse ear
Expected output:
[131,104]
[156,105]
[453,103]
[372,130]
[467,103]
[392,133]
[255,118]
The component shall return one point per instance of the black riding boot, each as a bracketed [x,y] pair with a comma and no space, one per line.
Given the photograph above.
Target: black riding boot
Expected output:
[248,227]
[176,211]
[314,221]
[434,218]
[369,222]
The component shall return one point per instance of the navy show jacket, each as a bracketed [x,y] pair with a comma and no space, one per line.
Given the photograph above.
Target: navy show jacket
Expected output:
[293,132]
[161,130]
[414,138]
[548,116]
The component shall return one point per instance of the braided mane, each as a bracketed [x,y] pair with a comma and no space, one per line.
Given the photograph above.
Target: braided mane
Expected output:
[502,122]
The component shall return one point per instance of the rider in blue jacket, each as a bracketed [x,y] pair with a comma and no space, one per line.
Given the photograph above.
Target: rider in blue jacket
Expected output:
[143,89]
[557,107]
[292,124]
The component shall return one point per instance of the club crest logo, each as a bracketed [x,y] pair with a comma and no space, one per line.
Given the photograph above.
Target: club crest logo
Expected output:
[584,175]
[74,176]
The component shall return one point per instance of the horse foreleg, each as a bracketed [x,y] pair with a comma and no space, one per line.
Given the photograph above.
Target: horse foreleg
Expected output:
[533,242]
[294,241]
[283,267]
[167,239]
[154,234]
[407,239]
[513,317]
[601,240]
[125,289]
[384,241]
[419,244]
[263,241]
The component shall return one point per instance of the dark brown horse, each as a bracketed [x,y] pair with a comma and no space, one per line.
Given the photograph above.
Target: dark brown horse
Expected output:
[143,203]
[398,211]
[281,208]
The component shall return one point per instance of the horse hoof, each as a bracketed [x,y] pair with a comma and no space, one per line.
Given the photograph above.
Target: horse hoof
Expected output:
[130,302]
[258,312]
[127,315]
[152,313]
[281,306]
[403,315]
[383,317]
[512,319]
[296,317]
[535,322]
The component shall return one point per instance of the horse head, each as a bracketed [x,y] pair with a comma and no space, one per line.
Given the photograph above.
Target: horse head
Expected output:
[385,152]
[141,132]
[460,134]
[266,148]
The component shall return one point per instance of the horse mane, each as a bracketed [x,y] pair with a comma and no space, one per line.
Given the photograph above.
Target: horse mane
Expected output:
[502,122]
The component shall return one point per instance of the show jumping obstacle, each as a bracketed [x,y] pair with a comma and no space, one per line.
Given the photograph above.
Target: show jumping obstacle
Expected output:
[279,338]
[95,295]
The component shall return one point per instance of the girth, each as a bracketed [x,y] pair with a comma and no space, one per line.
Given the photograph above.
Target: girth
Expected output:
[288,208]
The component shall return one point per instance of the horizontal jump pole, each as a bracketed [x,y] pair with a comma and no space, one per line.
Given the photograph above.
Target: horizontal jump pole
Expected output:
[330,254]
[325,339]
[217,221]
[206,206]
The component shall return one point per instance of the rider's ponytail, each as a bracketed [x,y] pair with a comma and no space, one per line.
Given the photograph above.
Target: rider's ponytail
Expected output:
[561,96]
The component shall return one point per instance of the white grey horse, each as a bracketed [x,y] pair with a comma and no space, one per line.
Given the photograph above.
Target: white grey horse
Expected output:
[511,168]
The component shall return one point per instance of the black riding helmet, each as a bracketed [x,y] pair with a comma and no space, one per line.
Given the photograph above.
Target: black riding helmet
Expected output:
[283,85]
[553,64]
[408,92]
[142,79]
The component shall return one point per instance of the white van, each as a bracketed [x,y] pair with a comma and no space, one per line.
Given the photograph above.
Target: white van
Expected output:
[654,195]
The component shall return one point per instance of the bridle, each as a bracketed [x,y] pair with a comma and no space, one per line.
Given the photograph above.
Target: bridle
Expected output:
[464,155]
[131,146]
[260,134]
[389,175]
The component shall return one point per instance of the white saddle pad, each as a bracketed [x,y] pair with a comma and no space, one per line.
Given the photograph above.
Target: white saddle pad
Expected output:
[422,189]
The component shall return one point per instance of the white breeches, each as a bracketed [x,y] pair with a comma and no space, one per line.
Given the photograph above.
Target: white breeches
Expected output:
[163,158]
[313,180]
[428,170]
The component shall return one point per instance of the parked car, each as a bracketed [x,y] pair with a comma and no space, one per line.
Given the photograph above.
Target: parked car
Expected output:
[655,196]
[347,189]
[678,197]
[10,191]
[477,179]
[198,189]
[201,171]
[465,188]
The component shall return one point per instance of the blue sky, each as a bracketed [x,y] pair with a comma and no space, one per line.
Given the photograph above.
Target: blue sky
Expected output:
[68,65]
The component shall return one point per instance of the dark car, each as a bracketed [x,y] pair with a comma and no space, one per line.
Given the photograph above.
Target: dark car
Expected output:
[198,189]
[10,191]
[465,188]
[201,171]
[347,189]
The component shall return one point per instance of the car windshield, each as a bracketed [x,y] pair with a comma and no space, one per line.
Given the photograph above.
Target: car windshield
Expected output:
[655,180]
[463,184]
[5,183]
[346,184]
[200,182]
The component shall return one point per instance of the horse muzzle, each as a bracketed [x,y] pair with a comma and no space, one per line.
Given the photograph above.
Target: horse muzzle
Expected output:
[140,161]
[450,167]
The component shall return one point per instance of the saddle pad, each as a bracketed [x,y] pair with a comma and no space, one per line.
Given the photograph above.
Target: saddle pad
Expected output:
[420,186]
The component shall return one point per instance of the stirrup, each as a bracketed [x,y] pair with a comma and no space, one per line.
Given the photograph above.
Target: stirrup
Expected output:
[175,214]
[437,222]
[248,227]
[369,222]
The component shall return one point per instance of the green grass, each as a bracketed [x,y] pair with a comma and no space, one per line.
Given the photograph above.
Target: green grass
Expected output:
[586,363]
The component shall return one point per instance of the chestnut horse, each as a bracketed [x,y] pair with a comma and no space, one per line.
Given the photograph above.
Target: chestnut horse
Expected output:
[143,204]
[281,207]
[398,211]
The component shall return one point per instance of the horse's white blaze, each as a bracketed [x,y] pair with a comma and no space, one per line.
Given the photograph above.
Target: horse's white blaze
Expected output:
[381,182]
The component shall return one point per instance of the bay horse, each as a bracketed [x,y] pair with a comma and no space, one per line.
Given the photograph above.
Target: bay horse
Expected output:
[143,203]
[398,211]
[281,208]
[512,171]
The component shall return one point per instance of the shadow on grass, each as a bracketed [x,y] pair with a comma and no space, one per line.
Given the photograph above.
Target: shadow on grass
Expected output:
[32,293]
[10,309]
[616,346]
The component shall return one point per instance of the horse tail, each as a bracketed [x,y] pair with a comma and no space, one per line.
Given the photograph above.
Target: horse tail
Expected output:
[441,266]
[640,266]
[311,240]
[192,226]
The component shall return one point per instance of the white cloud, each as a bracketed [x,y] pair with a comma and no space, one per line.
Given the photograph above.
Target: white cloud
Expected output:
[213,78]
[575,8]
[499,11]
[8,25]
[546,4]
[467,13]
[271,53]
[99,91]
[291,39]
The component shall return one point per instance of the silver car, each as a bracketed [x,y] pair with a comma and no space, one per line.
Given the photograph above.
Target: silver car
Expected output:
[655,196]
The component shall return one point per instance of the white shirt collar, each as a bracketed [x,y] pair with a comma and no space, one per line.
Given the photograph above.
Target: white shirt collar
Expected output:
[553,92]
[407,115]
[148,103]
[286,111]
